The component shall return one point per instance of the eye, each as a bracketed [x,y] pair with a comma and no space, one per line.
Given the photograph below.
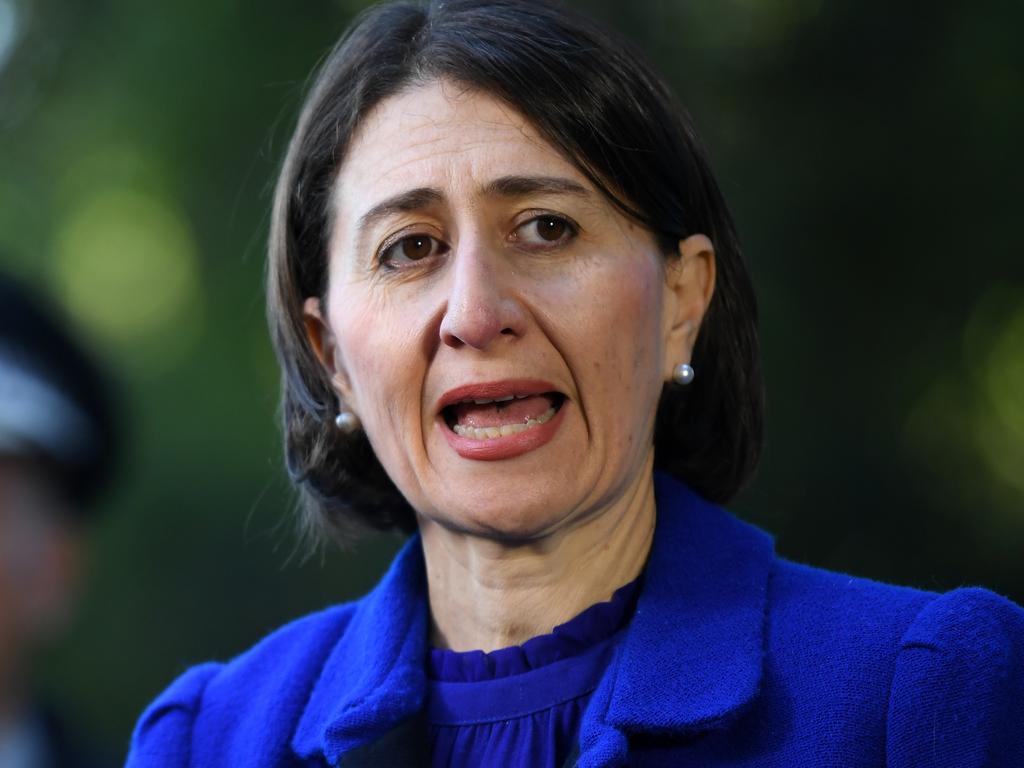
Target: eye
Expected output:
[545,230]
[411,248]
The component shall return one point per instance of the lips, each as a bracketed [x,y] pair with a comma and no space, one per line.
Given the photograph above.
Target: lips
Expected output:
[501,419]
[496,390]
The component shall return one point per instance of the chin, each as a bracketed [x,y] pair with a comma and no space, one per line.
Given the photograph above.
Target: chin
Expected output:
[516,523]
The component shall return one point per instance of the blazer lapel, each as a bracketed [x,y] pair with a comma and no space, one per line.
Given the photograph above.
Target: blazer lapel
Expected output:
[692,657]
[374,681]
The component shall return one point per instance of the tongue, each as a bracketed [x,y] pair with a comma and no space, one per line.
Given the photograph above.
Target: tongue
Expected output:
[517,411]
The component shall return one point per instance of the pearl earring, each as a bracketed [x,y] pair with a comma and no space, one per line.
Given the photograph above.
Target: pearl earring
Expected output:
[347,422]
[683,374]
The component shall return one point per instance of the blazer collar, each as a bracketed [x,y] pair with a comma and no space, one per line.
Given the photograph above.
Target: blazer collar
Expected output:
[375,677]
[691,659]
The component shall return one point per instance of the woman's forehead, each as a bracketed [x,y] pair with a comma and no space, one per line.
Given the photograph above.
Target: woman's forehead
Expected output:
[442,135]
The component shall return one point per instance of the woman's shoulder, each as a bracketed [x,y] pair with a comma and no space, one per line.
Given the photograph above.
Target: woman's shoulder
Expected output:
[838,614]
[947,669]
[353,666]
[802,595]
[958,683]
[253,698]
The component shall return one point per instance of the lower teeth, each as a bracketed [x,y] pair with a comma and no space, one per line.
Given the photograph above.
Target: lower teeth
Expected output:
[490,433]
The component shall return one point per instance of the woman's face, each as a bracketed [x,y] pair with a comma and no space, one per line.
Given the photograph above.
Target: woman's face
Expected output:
[501,331]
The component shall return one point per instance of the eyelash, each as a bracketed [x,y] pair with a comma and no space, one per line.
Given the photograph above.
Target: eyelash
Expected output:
[387,259]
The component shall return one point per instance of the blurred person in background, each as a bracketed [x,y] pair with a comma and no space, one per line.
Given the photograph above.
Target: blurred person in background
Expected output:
[514,321]
[57,444]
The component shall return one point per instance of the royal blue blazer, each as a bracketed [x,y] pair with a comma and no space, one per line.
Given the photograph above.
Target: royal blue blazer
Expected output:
[734,657]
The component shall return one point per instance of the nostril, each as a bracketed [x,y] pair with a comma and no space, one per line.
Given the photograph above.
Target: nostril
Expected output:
[476,321]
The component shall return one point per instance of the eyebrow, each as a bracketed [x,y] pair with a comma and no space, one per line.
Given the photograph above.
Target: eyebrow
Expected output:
[411,200]
[505,186]
[520,186]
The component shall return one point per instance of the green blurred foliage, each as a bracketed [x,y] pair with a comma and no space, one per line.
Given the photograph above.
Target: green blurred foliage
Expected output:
[872,157]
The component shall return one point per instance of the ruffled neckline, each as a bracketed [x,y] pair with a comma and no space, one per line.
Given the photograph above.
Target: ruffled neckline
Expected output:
[593,626]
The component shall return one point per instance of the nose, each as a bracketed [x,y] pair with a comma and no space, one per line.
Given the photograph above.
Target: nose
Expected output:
[481,305]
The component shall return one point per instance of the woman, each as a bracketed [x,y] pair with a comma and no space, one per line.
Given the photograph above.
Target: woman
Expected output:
[505,290]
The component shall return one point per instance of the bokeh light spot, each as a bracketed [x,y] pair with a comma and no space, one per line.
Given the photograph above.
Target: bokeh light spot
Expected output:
[1001,426]
[968,425]
[126,265]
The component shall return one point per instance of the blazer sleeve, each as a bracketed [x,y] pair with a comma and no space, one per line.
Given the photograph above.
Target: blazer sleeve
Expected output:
[957,694]
[163,735]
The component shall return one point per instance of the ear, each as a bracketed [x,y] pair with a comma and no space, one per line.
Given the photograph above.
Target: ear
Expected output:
[689,285]
[325,346]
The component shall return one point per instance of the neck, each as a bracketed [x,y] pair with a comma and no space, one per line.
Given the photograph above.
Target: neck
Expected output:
[487,594]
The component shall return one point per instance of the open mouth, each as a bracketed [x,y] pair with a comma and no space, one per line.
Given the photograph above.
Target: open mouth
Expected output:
[487,419]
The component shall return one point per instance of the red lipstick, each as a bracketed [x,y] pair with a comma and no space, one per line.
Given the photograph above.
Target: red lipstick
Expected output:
[493,390]
[505,446]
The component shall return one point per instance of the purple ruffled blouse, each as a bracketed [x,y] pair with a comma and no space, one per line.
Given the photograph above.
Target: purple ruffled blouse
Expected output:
[522,706]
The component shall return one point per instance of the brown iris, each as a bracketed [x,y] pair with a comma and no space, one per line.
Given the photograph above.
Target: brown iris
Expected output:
[550,228]
[416,247]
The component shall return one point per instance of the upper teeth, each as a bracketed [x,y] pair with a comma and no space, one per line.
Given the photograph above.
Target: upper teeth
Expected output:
[500,399]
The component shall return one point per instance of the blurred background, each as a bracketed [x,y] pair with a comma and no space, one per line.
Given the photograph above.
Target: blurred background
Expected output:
[871,152]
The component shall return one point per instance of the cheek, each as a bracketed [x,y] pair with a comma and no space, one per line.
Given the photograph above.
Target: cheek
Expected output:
[378,356]
[633,335]
[622,324]
[607,323]
[626,363]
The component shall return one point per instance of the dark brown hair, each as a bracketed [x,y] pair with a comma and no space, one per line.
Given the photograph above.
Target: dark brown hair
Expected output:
[597,101]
